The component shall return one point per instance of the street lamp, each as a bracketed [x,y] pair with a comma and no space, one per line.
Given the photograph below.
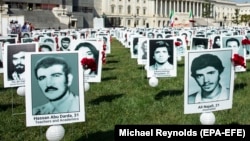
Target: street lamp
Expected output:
[225,18]
[134,20]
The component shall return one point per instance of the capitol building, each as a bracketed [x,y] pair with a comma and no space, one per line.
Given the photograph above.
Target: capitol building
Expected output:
[135,13]
[157,13]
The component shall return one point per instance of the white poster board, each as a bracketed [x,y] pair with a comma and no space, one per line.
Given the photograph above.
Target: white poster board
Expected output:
[98,23]
[209,80]
[54,93]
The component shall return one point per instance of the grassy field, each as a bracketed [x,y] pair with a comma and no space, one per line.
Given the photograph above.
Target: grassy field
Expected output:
[123,97]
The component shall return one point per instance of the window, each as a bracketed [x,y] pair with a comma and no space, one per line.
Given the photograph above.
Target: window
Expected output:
[137,11]
[144,11]
[129,22]
[120,9]
[112,9]
[129,9]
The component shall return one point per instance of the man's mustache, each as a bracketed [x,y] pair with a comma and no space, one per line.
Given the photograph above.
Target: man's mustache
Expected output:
[50,88]
[20,66]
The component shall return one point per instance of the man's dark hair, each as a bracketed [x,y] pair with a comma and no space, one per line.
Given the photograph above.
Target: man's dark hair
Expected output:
[233,40]
[26,34]
[161,43]
[204,61]
[179,40]
[45,46]
[49,61]
[65,39]
[48,40]
[200,42]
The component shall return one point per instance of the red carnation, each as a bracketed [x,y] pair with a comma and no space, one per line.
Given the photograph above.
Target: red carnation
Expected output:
[177,43]
[238,60]
[89,63]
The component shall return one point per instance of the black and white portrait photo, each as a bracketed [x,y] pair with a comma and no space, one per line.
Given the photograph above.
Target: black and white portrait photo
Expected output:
[161,58]
[199,43]
[90,50]
[14,60]
[142,50]
[54,88]
[209,80]
[235,43]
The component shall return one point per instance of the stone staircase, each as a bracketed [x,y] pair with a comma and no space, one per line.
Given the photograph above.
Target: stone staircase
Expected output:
[39,18]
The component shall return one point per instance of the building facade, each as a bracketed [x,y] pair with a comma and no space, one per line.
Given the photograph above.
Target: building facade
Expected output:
[156,13]
[139,13]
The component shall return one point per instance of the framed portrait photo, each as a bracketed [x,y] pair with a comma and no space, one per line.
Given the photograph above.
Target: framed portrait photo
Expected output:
[209,81]
[14,63]
[54,88]
[235,43]
[162,60]
[90,51]
[142,51]
[199,43]
[106,41]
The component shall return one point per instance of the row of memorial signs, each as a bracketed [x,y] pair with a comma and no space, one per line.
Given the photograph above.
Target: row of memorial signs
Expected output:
[207,70]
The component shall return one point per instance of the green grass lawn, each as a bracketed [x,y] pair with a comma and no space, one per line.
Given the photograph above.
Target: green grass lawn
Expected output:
[123,97]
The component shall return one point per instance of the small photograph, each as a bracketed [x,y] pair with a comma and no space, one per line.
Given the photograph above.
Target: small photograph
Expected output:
[64,43]
[159,35]
[134,46]
[187,36]
[199,43]
[54,93]
[235,43]
[209,80]
[216,41]
[14,60]
[27,40]
[13,35]
[49,41]
[142,50]
[25,34]
[91,54]
[46,47]
[161,60]
[150,34]
[106,41]
[181,46]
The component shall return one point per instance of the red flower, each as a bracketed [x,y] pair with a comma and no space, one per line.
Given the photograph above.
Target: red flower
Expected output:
[89,63]
[177,43]
[104,46]
[238,60]
[245,42]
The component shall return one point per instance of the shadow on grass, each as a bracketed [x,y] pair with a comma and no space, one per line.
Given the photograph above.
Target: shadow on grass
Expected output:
[239,86]
[163,94]
[107,69]
[106,98]
[180,65]
[4,107]
[109,55]
[141,67]
[99,136]
[112,61]
[109,78]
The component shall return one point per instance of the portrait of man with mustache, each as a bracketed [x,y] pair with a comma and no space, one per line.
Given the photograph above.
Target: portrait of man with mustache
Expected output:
[54,78]
[16,60]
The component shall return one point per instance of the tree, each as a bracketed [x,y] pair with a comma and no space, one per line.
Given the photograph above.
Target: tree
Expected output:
[236,18]
[245,19]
